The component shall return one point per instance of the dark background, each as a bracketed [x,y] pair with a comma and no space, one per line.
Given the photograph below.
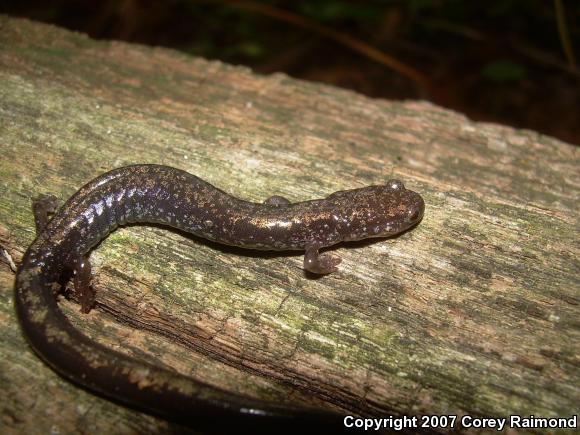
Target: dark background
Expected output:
[510,61]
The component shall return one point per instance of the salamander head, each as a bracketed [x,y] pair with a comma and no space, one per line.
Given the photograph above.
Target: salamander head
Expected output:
[378,211]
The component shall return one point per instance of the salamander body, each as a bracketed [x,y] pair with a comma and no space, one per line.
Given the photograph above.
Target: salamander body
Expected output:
[169,196]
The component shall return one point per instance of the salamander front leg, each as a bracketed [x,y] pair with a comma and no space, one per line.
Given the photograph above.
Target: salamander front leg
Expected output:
[320,263]
[82,284]
[276,200]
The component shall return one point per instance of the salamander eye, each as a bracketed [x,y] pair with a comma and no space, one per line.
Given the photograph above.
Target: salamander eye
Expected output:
[395,184]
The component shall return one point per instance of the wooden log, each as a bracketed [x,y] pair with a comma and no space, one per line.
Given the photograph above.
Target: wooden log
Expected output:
[474,312]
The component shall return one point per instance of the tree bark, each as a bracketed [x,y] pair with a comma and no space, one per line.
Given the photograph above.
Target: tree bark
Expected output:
[474,312]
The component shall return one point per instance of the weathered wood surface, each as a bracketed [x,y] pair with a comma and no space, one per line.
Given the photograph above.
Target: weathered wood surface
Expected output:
[473,312]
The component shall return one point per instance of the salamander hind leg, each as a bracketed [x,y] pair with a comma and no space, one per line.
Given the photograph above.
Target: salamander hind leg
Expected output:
[320,263]
[43,208]
[276,200]
[82,284]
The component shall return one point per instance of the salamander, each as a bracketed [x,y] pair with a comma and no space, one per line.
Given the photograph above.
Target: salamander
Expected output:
[164,195]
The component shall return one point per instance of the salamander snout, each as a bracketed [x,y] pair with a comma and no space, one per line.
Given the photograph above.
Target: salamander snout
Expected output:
[415,208]
[414,205]
[375,211]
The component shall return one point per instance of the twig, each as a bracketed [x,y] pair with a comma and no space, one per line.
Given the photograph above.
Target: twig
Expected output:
[8,259]
[346,40]
[533,53]
[563,32]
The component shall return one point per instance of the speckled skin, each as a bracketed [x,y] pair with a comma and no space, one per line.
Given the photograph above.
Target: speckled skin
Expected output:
[160,194]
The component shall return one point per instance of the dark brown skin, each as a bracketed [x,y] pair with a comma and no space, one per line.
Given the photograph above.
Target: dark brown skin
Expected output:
[160,194]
